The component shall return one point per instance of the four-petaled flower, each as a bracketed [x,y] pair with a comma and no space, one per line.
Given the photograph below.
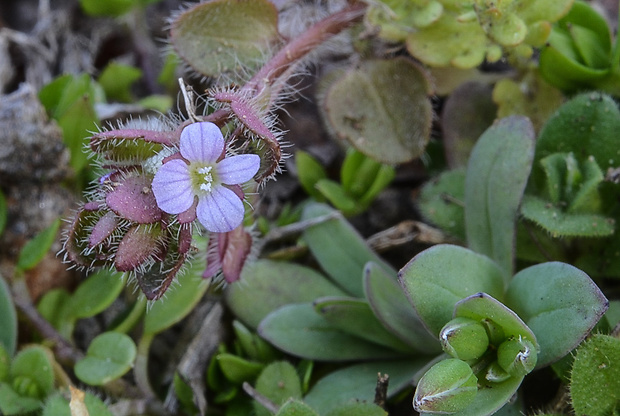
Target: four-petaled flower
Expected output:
[203,173]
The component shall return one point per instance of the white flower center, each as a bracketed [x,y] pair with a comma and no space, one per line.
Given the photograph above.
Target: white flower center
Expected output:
[207,178]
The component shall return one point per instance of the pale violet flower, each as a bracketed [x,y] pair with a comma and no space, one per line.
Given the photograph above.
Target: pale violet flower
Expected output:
[199,174]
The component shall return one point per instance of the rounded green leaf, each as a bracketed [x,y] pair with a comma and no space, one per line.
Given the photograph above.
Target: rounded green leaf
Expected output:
[266,285]
[464,338]
[96,293]
[495,316]
[8,319]
[109,356]
[559,303]
[220,37]
[358,409]
[34,250]
[339,248]
[358,382]
[298,330]
[294,407]
[35,364]
[278,382]
[382,108]
[12,403]
[595,378]
[237,369]
[391,306]
[355,317]
[437,278]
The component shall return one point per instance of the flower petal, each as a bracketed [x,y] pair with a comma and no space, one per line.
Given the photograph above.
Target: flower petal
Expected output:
[238,169]
[202,142]
[220,211]
[172,187]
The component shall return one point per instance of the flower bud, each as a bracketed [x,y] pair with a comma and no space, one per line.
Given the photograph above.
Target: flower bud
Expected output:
[464,338]
[517,356]
[447,387]
[496,374]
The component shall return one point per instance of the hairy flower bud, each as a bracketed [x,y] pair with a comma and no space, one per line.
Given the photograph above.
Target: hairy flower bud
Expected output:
[447,387]
[517,356]
[464,338]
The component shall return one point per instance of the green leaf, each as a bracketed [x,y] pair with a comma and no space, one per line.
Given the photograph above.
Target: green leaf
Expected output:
[309,172]
[491,398]
[587,126]
[266,285]
[391,306]
[35,363]
[373,107]
[294,407]
[237,369]
[358,382]
[481,307]
[437,278]
[498,170]
[59,406]
[96,293]
[55,307]
[8,319]
[595,380]
[355,317]
[252,345]
[197,35]
[179,301]
[4,212]
[34,250]
[559,303]
[12,403]
[278,382]
[337,196]
[561,224]
[339,249]
[111,8]
[358,409]
[109,356]
[442,200]
[116,80]
[298,330]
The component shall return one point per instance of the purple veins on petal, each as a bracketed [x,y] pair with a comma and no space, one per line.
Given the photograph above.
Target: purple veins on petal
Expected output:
[172,187]
[220,211]
[202,142]
[238,169]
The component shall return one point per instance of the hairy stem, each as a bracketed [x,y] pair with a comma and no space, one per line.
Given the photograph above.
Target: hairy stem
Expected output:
[303,44]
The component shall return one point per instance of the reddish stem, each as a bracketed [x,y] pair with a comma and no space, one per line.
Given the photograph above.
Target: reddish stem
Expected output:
[306,42]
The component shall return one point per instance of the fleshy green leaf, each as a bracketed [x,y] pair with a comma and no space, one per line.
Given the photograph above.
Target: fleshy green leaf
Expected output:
[35,364]
[59,406]
[339,249]
[112,8]
[96,293]
[298,330]
[278,382]
[34,250]
[251,26]
[373,107]
[8,319]
[266,285]
[559,303]
[437,278]
[358,382]
[237,369]
[561,224]
[355,317]
[54,306]
[441,202]
[497,173]
[309,171]
[483,307]
[337,196]
[12,403]
[391,306]
[358,409]
[294,407]
[491,398]
[109,356]
[595,381]
[179,301]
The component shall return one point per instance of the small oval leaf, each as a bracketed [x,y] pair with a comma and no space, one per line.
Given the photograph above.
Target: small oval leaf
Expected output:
[109,356]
